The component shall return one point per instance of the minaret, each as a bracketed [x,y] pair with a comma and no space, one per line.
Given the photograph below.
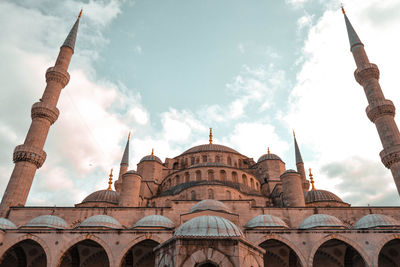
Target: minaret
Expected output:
[300,165]
[380,110]
[30,155]
[123,166]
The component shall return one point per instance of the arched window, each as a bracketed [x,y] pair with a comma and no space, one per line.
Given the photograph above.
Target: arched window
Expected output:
[192,160]
[204,158]
[186,163]
[234,177]
[222,175]
[251,183]
[240,163]
[182,163]
[197,160]
[244,178]
[177,180]
[193,195]
[217,159]
[175,166]
[228,195]
[187,177]
[210,194]
[229,161]
[210,175]
[198,175]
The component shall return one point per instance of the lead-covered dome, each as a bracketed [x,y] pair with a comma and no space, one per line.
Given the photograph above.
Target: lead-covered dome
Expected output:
[48,221]
[108,196]
[155,221]
[151,158]
[321,220]
[266,220]
[321,196]
[101,221]
[268,156]
[208,226]
[209,204]
[6,224]
[208,148]
[376,220]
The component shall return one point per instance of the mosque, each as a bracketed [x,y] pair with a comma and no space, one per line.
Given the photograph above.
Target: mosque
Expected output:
[209,206]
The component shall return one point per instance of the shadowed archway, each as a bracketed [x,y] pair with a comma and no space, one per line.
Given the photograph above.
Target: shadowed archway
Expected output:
[279,254]
[140,254]
[86,253]
[390,254]
[206,264]
[335,253]
[23,254]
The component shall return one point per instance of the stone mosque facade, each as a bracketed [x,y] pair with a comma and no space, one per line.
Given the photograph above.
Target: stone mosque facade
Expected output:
[209,206]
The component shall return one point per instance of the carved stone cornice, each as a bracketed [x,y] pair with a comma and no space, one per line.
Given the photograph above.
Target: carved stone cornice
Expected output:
[31,154]
[366,73]
[58,75]
[390,156]
[46,111]
[380,109]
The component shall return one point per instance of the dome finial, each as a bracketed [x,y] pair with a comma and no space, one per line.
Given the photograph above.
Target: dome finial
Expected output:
[211,136]
[110,180]
[268,151]
[312,180]
[152,151]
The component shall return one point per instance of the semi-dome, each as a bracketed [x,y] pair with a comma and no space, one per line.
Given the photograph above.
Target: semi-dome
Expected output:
[209,204]
[375,220]
[321,196]
[151,158]
[268,156]
[155,221]
[6,224]
[266,220]
[101,221]
[208,148]
[321,220]
[49,221]
[208,226]
[109,196]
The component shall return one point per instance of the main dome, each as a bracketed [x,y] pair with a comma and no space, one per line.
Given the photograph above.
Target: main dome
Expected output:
[109,196]
[210,147]
[208,226]
[209,204]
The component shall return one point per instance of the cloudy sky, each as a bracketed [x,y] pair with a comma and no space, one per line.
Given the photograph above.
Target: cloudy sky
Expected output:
[168,70]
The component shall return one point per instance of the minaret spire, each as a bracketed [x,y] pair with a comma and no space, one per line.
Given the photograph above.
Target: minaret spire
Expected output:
[123,165]
[30,156]
[380,110]
[300,165]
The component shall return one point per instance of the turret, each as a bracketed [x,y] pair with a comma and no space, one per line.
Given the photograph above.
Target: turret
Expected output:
[150,168]
[30,156]
[300,165]
[292,188]
[269,169]
[123,167]
[380,110]
[130,189]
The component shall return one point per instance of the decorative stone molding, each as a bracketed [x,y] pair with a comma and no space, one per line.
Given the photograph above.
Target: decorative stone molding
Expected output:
[362,75]
[380,109]
[390,156]
[31,154]
[46,111]
[58,75]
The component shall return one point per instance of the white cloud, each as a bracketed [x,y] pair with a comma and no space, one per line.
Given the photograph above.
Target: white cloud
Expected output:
[296,3]
[305,21]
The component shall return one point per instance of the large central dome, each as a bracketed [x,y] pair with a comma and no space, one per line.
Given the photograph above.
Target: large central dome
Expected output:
[210,147]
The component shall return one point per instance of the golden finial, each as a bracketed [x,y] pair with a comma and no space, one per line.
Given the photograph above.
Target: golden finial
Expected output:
[344,12]
[152,151]
[80,14]
[110,180]
[210,136]
[312,180]
[268,151]
[129,135]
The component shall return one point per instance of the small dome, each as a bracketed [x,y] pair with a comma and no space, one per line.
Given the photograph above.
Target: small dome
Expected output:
[208,226]
[49,221]
[210,147]
[321,196]
[109,196]
[321,220]
[6,224]
[151,158]
[266,220]
[209,204]
[268,157]
[155,221]
[375,220]
[101,221]
[133,172]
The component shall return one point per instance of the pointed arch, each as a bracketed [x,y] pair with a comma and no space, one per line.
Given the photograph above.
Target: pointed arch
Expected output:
[280,253]
[207,255]
[387,248]
[140,254]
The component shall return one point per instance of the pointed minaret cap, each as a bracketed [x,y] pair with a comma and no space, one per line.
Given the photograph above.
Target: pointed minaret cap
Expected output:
[299,159]
[71,38]
[125,157]
[353,37]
